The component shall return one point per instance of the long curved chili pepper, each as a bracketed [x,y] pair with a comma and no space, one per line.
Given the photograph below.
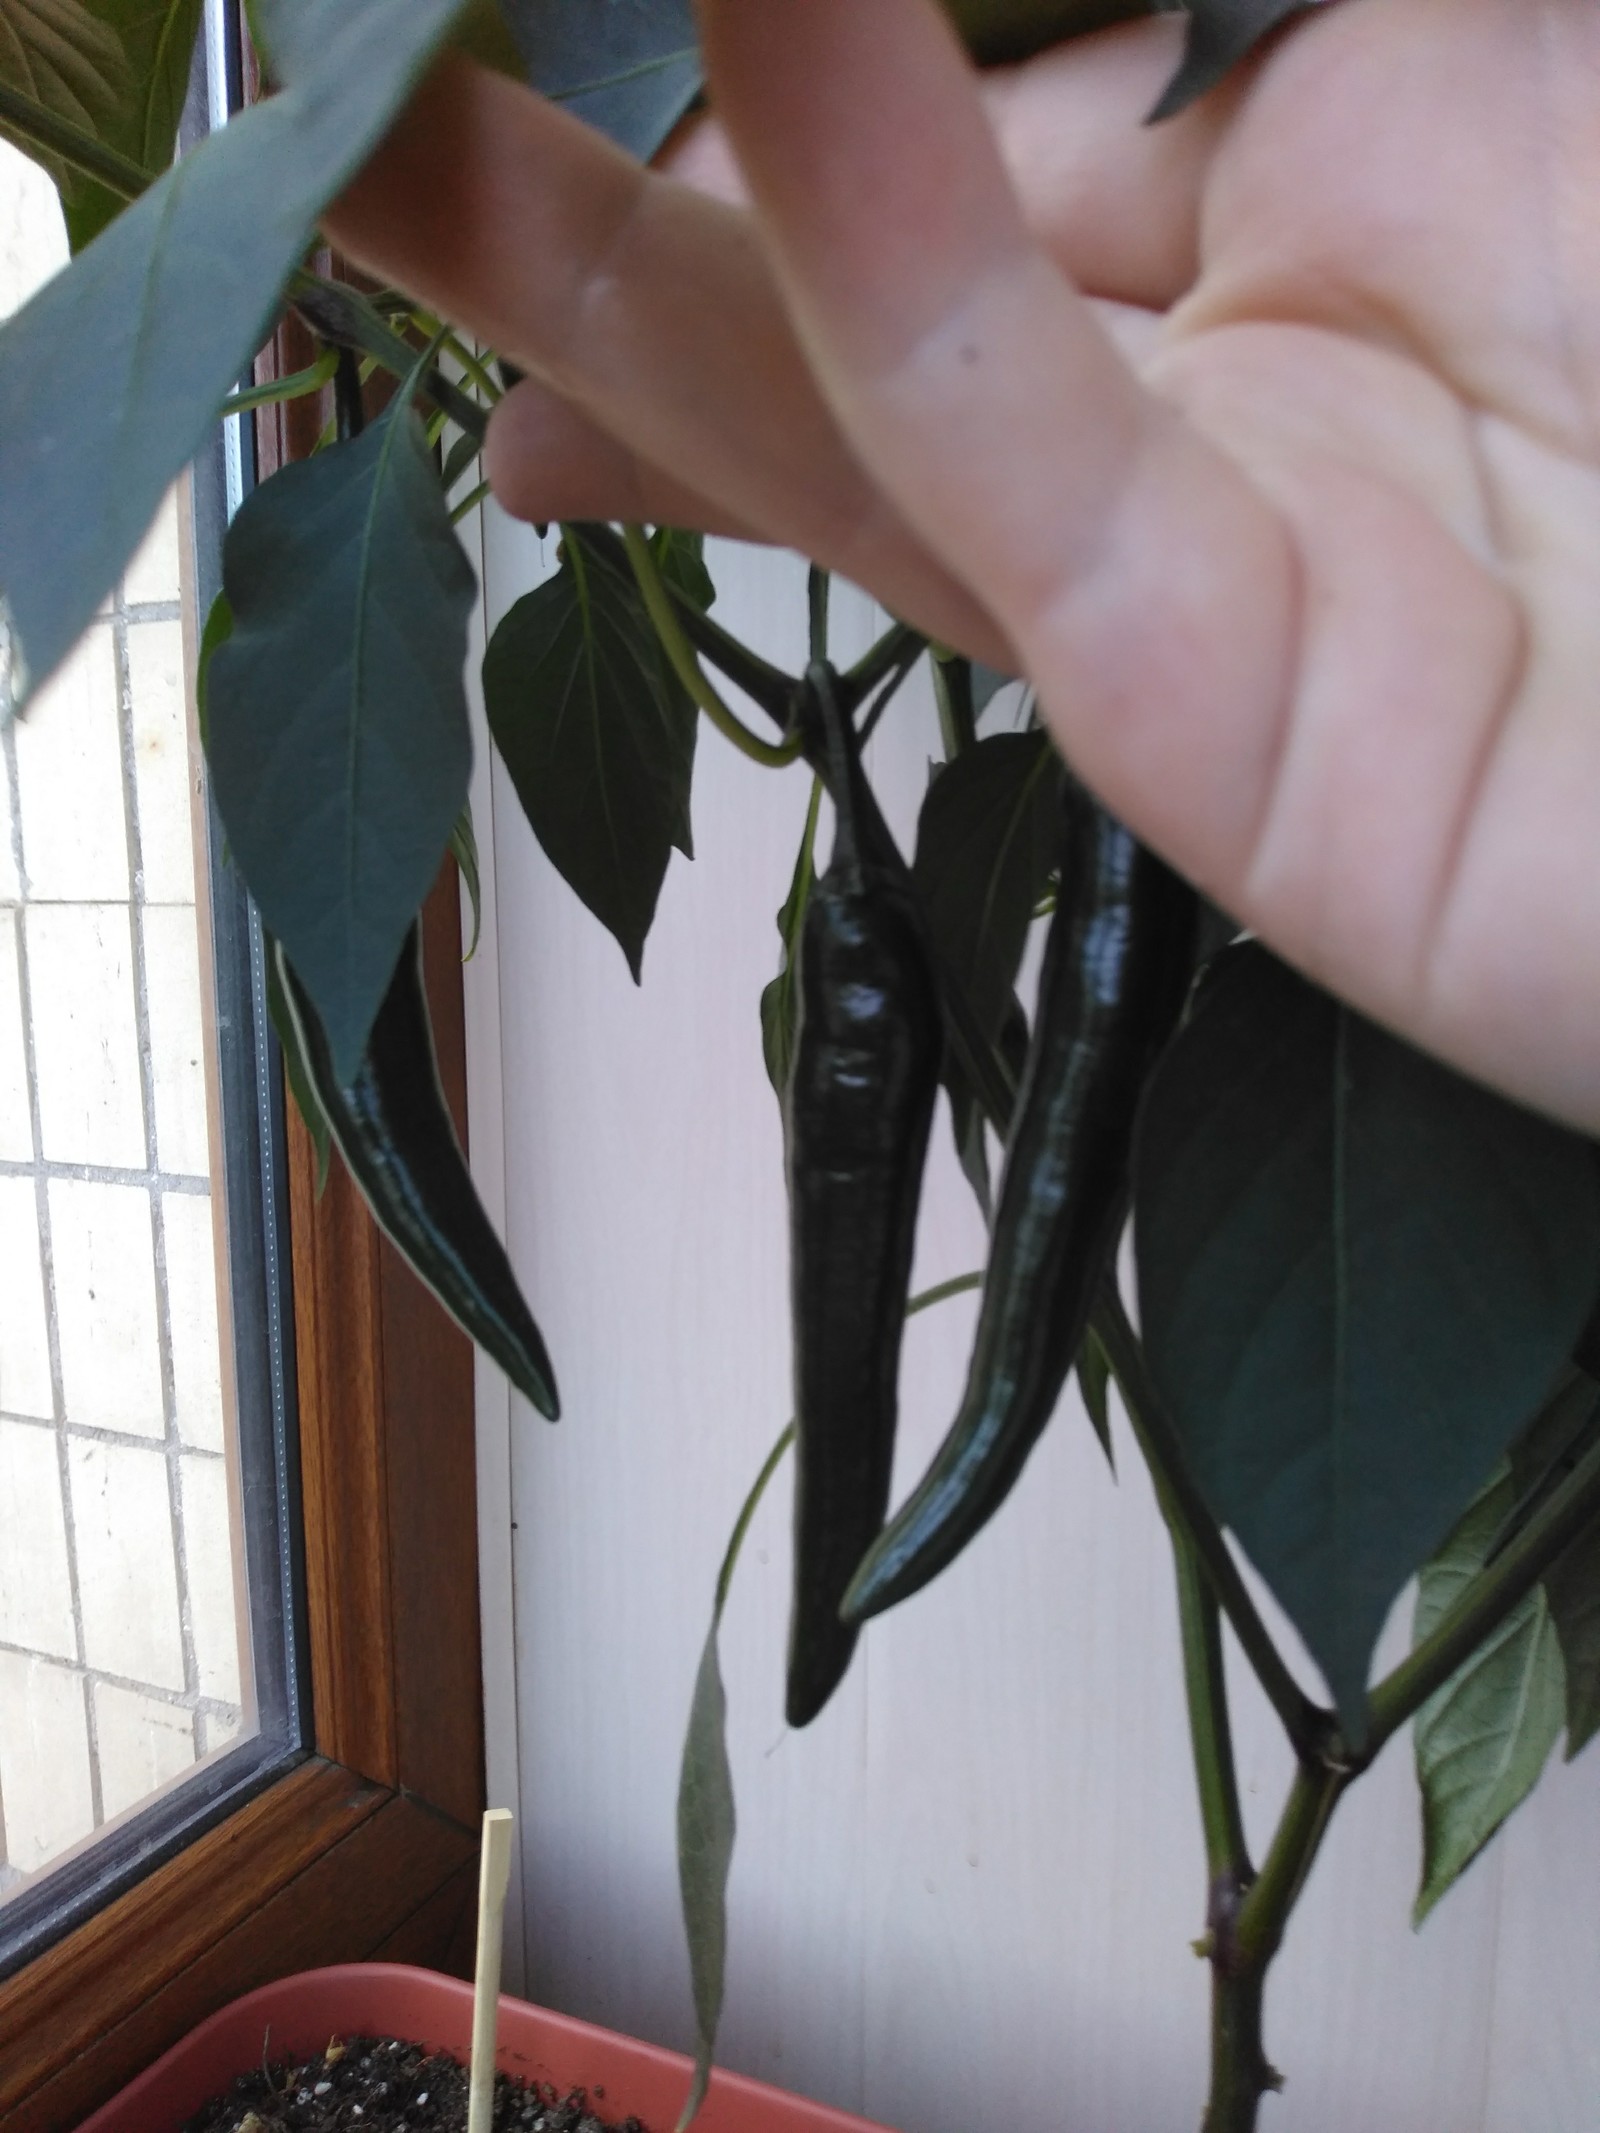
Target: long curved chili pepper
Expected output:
[394,1131]
[860,1101]
[1116,970]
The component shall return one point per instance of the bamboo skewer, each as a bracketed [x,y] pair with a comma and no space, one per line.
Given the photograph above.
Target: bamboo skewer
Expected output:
[494,1874]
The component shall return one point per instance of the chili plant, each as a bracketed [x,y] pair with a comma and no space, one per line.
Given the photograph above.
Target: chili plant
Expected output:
[1418,1399]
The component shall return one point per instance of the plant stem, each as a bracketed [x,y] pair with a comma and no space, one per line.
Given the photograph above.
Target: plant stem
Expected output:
[688,669]
[767,686]
[343,316]
[1241,2073]
[470,362]
[888,689]
[952,693]
[1485,1600]
[818,585]
[469,502]
[1258,1933]
[1310,1728]
[857,683]
[1210,1728]
[55,136]
[291,387]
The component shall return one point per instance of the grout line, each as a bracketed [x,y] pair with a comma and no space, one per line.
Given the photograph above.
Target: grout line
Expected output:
[124,1439]
[172,1444]
[194,1701]
[109,1174]
[47,1271]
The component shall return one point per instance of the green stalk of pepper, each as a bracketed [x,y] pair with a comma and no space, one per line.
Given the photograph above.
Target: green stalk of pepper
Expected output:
[867,1051]
[394,1130]
[1116,970]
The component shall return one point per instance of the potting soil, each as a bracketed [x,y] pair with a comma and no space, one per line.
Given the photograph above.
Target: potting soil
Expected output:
[380,2085]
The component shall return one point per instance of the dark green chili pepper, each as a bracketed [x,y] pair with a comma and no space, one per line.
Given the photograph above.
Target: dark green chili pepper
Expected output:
[1116,969]
[867,1050]
[394,1131]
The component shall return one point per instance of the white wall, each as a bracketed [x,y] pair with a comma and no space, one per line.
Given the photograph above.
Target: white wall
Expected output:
[965,1897]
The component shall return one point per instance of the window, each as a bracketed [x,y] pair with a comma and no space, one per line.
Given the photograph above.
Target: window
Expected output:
[148,1670]
[317,1801]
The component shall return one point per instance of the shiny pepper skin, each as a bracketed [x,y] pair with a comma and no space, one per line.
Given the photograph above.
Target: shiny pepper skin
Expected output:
[860,1103]
[1116,972]
[393,1128]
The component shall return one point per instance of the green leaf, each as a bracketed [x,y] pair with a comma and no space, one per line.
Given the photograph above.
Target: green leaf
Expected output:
[629,67]
[986,841]
[1572,1592]
[339,743]
[1359,1273]
[1546,1452]
[64,59]
[218,629]
[969,1129]
[1094,1380]
[706,1820]
[780,1000]
[110,376]
[296,1074]
[681,558]
[1221,33]
[117,68]
[1483,1740]
[464,851]
[597,735]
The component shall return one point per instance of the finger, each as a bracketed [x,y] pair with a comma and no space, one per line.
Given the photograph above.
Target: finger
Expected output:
[1115,203]
[648,307]
[545,459]
[1149,589]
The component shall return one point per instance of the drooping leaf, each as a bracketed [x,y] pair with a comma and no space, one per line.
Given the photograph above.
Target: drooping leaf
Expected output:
[1572,1591]
[1483,1740]
[598,737]
[339,742]
[110,375]
[780,999]
[296,1074]
[681,559]
[1544,1455]
[706,1820]
[986,840]
[64,60]
[1220,34]
[119,69]
[969,1129]
[217,630]
[1094,1382]
[1359,1273]
[464,851]
[629,67]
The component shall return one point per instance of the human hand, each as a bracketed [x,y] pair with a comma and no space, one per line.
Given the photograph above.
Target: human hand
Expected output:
[1266,443]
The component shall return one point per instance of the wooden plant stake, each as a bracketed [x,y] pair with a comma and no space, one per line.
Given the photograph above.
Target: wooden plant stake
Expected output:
[494,1873]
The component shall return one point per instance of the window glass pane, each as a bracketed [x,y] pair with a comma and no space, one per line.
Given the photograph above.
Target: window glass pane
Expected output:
[144,1663]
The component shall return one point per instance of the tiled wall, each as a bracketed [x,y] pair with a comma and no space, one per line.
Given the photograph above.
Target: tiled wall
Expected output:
[119,1646]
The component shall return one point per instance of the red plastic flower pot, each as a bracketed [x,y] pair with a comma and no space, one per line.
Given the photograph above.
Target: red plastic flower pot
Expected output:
[298,2015]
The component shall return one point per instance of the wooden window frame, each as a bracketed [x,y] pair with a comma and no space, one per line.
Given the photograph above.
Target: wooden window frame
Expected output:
[366,1848]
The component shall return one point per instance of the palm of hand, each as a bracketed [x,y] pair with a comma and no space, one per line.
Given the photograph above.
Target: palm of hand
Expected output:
[1312,604]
